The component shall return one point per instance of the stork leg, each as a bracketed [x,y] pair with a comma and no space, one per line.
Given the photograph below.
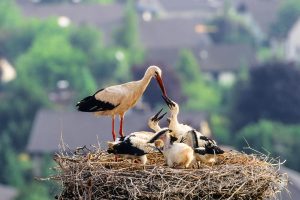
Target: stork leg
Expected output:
[113,133]
[113,128]
[121,125]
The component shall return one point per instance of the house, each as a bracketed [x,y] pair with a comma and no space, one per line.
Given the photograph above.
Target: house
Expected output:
[292,44]
[107,17]
[76,129]
[222,62]
[263,12]
[219,62]
[163,37]
[7,193]
[178,9]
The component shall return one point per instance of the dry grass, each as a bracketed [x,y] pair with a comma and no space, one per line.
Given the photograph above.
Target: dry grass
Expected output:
[94,174]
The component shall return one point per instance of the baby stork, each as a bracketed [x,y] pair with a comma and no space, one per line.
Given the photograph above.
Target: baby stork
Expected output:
[117,99]
[134,146]
[205,148]
[179,129]
[176,154]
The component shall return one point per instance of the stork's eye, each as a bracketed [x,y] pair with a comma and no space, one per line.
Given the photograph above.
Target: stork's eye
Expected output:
[156,73]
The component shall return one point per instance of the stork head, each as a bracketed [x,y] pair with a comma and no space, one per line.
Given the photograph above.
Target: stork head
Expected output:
[157,73]
[153,121]
[174,107]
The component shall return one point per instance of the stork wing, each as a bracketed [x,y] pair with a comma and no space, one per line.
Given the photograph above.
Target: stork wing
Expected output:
[104,99]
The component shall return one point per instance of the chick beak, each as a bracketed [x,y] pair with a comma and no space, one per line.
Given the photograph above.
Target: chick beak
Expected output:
[155,117]
[168,101]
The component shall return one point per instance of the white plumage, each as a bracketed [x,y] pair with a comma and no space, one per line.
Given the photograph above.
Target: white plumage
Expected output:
[117,99]
[204,147]
[176,154]
[178,128]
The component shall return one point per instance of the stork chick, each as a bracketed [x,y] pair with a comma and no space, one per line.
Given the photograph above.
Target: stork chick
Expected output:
[134,146]
[176,154]
[117,99]
[206,149]
[179,129]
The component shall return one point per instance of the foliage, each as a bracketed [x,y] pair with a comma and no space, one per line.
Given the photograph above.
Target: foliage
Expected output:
[127,36]
[220,128]
[201,95]
[10,173]
[272,92]
[9,14]
[276,138]
[77,1]
[16,115]
[288,14]
[34,191]
[231,31]
[48,65]
[188,67]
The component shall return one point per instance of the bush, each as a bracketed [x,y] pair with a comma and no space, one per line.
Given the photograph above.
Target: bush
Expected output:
[276,138]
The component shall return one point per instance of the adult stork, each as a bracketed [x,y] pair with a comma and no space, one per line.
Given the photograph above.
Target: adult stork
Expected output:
[117,99]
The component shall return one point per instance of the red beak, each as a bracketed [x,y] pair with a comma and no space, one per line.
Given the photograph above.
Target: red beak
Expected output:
[161,85]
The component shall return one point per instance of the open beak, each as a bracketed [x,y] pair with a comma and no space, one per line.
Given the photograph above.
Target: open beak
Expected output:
[156,117]
[161,84]
[168,101]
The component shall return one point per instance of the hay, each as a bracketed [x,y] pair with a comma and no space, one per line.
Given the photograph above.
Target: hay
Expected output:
[96,175]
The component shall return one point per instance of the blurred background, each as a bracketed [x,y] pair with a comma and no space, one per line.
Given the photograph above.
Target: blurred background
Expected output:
[232,65]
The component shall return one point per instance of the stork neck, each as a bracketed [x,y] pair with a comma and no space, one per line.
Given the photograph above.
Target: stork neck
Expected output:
[174,121]
[156,128]
[144,82]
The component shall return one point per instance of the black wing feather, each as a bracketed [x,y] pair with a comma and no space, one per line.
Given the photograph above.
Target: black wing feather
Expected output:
[91,104]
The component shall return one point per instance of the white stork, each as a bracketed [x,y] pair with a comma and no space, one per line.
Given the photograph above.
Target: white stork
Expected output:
[117,99]
[179,129]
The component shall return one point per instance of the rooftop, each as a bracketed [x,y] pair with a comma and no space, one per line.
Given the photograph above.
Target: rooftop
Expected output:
[7,192]
[79,129]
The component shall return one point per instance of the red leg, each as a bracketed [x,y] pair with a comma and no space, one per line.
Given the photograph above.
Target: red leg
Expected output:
[121,126]
[113,128]
[113,133]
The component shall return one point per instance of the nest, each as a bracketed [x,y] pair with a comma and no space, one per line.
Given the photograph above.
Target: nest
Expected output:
[96,175]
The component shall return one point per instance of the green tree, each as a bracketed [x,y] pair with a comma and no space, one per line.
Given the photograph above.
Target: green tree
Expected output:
[188,67]
[59,61]
[34,191]
[201,95]
[288,14]
[272,92]
[9,14]
[127,36]
[276,138]
[10,172]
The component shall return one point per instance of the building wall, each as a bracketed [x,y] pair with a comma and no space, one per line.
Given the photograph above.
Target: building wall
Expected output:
[293,43]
